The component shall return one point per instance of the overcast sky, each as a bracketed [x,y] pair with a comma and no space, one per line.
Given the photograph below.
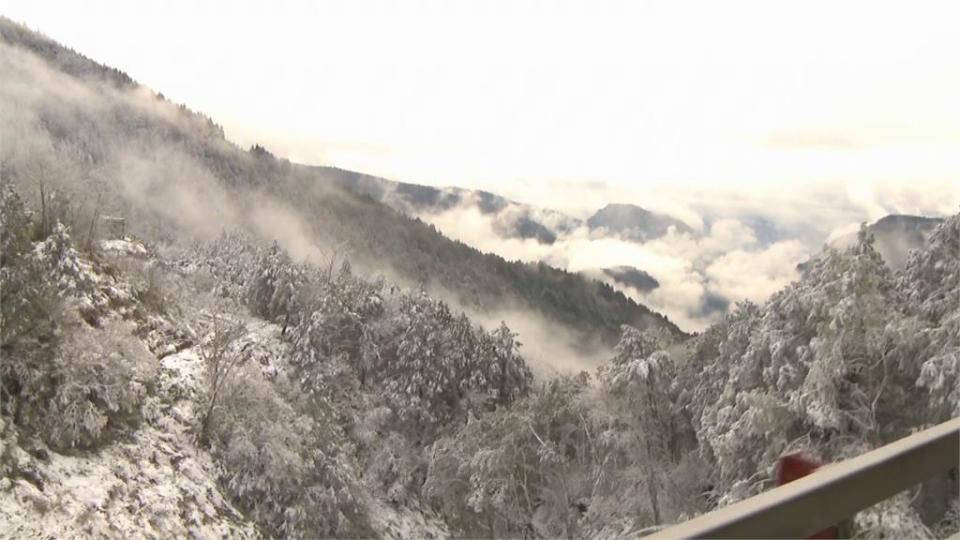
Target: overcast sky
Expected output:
[600,99]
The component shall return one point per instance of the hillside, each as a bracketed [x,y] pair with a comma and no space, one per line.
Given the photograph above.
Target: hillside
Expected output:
[895,235]
[510,218]
[148,145]
[202,341]
[147,394]
[632,277]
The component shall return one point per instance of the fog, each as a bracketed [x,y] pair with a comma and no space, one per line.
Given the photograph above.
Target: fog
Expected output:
[99,150]
[103,150]
[727,261]
[550,348]
[746,248]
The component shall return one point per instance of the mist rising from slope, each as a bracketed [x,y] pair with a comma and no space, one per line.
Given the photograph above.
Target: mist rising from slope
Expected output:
[549,347]
[108,151]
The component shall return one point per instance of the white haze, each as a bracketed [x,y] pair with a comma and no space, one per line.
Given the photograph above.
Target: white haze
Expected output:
[170,196]
[174,193]
[725,260]
[518,97]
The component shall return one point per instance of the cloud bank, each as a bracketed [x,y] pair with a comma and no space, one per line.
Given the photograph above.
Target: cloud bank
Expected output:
[746,247]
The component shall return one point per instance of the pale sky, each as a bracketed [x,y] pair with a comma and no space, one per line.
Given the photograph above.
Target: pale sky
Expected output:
[522,97]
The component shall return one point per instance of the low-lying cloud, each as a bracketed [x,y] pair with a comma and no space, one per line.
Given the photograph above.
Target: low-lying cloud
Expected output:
[747,248]
[696,273]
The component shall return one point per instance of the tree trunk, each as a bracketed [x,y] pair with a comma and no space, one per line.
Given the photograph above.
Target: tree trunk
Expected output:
[43,212]
[652,485]
[93,223]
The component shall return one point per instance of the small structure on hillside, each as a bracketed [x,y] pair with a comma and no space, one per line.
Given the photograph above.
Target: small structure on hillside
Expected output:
[114,227]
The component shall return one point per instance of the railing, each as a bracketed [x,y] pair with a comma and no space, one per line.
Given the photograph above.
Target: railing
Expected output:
[833,493]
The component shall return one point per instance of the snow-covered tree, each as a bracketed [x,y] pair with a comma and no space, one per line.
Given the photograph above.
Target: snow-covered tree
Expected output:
[931,286]
[63,379]
[275,289]
[285,469]
[643,378]
[27,299]
[512,471]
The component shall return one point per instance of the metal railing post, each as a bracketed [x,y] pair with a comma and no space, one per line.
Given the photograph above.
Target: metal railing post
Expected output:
[832,493]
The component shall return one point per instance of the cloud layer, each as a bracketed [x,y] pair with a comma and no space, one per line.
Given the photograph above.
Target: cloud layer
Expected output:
[746,247]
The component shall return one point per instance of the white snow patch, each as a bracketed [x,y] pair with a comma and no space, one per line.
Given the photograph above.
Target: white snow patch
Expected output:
[124,246]
[156,484]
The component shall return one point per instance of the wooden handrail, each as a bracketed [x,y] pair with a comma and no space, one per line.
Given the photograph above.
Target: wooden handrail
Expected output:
[831,494]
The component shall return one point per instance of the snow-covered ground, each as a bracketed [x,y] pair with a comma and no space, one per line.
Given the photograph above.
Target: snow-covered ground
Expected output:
[156,484]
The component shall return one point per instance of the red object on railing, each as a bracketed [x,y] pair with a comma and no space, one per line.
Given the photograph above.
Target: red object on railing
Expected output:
[794,466]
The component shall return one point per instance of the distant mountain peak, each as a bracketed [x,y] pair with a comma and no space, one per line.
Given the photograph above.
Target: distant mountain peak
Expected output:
[635,223]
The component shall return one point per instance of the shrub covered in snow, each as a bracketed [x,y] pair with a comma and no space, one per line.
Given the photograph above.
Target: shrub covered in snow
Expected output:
[285,469]
[507,469]
[73,384]
[95,387]
[28,302]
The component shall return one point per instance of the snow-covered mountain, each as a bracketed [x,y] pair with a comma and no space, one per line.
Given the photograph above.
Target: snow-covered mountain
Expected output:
[148,145]
[193,344]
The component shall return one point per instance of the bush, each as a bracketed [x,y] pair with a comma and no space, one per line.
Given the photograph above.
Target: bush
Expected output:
[506,468]
[71,384]
[151,291]
[283,468]
[90,389]
[29,306]
[393,465]
[27,299]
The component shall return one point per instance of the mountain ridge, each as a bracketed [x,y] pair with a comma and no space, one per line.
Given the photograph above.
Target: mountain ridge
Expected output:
[200,159]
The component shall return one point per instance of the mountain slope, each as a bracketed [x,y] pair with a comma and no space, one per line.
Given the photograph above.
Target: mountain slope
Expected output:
[895,236]
[511,219]
[355,409]
[106,146]
[632,277]
[110,443]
